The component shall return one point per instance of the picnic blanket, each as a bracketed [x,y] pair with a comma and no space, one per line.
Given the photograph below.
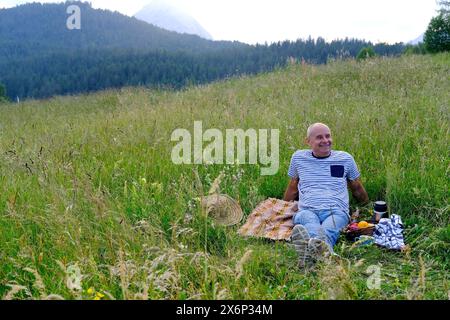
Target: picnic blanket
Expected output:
[271,219]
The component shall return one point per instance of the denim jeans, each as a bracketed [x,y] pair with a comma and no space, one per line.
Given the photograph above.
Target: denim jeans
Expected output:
[323,224]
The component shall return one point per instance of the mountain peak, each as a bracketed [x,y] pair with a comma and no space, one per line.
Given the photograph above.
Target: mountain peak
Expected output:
[167,15]
[418,40]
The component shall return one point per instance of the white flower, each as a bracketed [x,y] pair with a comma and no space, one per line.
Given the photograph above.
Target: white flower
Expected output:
[74,278]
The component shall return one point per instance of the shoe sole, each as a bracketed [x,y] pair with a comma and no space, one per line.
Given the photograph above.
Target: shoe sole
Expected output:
[318,249]
[300,238]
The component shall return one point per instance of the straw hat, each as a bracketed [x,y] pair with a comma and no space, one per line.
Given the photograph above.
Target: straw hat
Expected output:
[223,209]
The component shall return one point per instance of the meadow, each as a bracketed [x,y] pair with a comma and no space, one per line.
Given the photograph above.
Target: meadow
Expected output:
[92,207]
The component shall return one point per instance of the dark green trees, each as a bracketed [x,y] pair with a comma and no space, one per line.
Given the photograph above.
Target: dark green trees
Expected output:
[364,53]
[3,97]
[437,36]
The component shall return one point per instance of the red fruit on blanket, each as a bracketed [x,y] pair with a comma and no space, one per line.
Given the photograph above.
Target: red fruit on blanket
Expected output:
[353,226]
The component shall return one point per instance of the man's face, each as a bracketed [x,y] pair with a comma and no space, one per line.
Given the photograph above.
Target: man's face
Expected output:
[320,141]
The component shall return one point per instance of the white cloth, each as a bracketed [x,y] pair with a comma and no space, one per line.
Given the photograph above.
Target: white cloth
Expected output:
[389,233]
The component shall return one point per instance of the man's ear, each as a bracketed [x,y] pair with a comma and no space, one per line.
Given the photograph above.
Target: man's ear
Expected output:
[307,141]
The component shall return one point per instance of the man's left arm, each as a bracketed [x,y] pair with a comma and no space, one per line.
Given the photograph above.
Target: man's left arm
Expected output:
[358,190]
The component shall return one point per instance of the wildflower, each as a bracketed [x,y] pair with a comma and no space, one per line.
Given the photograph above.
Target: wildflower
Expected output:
[90,290]
[99,296]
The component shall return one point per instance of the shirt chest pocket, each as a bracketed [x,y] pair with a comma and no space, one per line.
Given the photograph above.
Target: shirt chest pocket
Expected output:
[337,171]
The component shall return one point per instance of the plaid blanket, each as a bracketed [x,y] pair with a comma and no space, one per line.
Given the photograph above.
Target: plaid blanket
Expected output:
[271,219]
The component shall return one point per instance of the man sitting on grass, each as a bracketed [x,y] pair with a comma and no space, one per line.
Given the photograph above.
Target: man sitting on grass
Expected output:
[319,178]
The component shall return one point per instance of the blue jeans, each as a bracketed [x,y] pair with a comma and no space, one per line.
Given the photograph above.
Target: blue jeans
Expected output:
[323,224]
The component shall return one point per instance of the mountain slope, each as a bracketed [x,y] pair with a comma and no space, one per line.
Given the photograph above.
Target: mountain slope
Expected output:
[41,28]
[40,57]
[165,15]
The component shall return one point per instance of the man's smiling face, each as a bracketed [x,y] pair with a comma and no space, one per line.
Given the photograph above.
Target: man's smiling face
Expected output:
[319,139]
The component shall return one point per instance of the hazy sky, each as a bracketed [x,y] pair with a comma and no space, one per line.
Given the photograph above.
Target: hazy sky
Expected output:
[254,21]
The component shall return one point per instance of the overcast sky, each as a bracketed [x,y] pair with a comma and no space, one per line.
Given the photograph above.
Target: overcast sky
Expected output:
[254,21]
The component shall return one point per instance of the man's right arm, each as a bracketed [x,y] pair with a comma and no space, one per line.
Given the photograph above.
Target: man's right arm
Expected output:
[358,190]
[291,193]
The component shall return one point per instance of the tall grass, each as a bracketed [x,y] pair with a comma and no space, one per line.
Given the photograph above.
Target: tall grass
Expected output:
[91,203]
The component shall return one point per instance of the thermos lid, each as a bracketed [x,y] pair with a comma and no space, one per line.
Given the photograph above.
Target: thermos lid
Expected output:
[380,206]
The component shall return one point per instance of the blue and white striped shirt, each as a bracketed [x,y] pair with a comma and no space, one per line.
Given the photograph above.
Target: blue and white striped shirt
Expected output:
[323,181]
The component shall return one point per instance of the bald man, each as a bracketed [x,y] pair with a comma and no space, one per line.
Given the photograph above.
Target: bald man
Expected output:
[319,178]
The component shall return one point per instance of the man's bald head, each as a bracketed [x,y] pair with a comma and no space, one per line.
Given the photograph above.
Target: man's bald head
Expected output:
[312,128]
[318,137]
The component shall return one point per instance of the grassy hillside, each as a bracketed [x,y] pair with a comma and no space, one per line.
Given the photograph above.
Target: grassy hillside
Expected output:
[86,183]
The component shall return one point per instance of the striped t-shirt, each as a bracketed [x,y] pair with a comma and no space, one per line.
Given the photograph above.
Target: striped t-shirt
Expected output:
[323,181]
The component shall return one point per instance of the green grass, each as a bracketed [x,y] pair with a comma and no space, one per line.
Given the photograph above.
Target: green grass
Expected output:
[87,181]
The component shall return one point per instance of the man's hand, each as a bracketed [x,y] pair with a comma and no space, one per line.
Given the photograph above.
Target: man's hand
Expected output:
[358,190]
[291,193]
